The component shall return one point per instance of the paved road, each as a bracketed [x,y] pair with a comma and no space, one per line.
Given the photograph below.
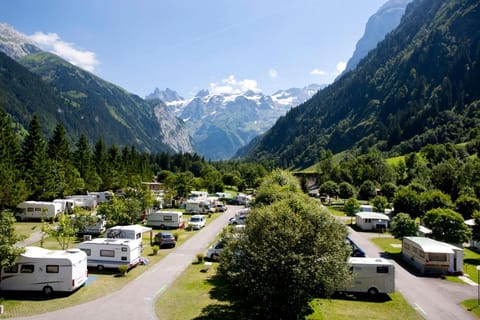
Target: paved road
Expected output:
[433,298]
[137,299]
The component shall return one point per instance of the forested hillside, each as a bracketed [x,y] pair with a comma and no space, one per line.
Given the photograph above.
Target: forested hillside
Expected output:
[419,86]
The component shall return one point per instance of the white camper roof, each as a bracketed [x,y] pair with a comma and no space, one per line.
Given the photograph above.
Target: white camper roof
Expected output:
[430,245]
[37,252]
[372,215]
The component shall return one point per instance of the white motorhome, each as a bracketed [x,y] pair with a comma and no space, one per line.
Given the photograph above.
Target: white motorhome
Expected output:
[132,232]
[371,275]
[37,210]
[39,269]
[199,207]
[111,253]
[84,201]
[102,196]
[67,205]
[165,219]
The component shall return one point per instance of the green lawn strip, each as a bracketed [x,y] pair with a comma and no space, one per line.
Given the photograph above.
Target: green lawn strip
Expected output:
[473,306]
[104,283]
[392,307]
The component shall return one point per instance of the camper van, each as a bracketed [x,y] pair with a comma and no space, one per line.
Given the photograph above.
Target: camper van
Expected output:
[165,219]
[199,207]
[372,276]
[132,232]
[102,196]
[67,205]
[95,227]
[88,202]
[39,269]
[37,210]
[111,253]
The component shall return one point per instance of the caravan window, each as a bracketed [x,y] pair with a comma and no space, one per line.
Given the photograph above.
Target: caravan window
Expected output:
[124,249]
[27,268]
[437,256]
[124,258]
[53,268]
[29,209]
[167,218]
[138,236]
[107,253]
[382,269]
[87,251]
[11,269]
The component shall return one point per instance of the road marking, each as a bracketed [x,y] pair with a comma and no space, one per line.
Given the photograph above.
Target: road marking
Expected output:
[160,291]
[418,308]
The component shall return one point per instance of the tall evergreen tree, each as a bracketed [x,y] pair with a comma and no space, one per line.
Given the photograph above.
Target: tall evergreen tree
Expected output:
[84,164]
[37,166]
[12,186]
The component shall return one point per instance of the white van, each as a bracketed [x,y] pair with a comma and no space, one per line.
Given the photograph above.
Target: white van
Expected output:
[372,275]
[39,269]
[37,210]
[197,221]
[111,253]
[165,219]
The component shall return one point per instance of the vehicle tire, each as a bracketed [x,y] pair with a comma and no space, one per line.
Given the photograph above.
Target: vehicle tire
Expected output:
[214,257]
[100,267]
[47,290]
[162,226]
[372,291]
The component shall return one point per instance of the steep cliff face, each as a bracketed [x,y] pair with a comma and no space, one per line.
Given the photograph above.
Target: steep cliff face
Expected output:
[382,22]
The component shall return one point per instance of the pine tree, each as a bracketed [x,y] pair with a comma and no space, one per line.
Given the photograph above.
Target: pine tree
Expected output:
[37,167]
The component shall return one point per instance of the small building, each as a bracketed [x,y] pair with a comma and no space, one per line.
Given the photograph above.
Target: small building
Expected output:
[430,256]
[372,221]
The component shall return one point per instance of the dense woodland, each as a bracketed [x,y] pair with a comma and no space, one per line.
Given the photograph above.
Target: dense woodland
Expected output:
[418,87]
[45,168]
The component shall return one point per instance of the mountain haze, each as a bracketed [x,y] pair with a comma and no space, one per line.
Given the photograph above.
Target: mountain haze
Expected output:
[419,86]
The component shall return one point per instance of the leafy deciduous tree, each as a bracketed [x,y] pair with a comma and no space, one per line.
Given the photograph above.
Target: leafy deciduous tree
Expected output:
[402,225]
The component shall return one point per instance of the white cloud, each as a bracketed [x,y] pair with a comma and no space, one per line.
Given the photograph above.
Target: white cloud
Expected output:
[52,42]
[341,66]
[272,73]
[231,85]
[318,72]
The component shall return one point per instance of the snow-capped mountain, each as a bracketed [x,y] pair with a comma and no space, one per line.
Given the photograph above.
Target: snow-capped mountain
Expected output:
[15,44]
[222,123]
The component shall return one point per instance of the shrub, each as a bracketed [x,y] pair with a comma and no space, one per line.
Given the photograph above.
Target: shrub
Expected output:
[155,249]
[123,269]
[200,257]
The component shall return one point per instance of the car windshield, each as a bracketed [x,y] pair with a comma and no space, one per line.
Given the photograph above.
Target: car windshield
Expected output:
[167,236]
[194,219]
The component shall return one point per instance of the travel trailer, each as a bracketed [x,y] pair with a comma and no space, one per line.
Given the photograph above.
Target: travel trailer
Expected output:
[165,219]
[102,196]
[111,253]
[37,210]
[67,205]
[84,201]
[132,232]
[199,207]
[372,276]
[39,269]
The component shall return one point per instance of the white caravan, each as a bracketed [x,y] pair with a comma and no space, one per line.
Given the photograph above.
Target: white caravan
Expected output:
[165,219]
[111,253]
[102,196]
[372,275]
[39,269]
[67,205]
[132,232]
[199,207]
[97,225]
[84,201]
[37,210]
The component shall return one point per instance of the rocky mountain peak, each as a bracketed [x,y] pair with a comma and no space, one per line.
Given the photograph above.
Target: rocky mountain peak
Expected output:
[14,44]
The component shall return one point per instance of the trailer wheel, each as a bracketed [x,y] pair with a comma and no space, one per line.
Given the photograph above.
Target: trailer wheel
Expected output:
[162,226]
[372,291]
[47,290]
[100,267]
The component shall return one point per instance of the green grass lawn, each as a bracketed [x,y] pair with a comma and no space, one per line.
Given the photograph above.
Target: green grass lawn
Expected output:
[101,283]
[206,300]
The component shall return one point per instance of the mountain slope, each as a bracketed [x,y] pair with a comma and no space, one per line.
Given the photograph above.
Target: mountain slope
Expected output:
[221,123]
[60,92]
[382,22]
[419,86]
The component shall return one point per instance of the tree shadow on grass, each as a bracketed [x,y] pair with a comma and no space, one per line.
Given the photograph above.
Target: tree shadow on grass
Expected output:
[364,297]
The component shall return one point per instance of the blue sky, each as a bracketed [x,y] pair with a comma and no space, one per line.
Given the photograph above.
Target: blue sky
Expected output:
[190,45]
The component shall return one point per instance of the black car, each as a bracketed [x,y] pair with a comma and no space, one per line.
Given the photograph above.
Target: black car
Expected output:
[165,240]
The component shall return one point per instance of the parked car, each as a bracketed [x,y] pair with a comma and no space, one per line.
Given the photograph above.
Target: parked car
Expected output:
[238,220]
[220,207]
[215,250]
[165,240]
[197,221]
